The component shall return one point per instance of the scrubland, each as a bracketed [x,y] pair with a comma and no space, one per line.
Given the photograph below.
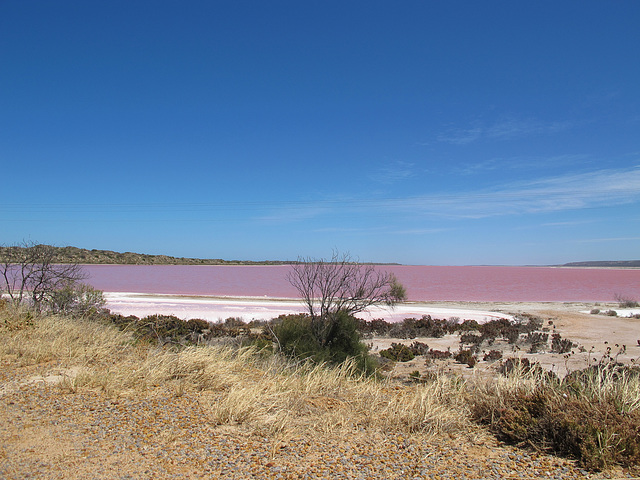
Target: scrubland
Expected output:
[591,417]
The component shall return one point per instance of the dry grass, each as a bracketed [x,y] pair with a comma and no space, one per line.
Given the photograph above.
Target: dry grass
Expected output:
[594,417]
[239,386]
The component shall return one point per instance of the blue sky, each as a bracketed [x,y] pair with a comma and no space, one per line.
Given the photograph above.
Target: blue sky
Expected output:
[419,132]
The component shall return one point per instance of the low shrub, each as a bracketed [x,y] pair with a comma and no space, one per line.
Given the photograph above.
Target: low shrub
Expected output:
[166,328]
[523,366]
[398,353]
[468,326]
[294,337]
[470,339]
[373,327]
[492,356]
[421,327]
[593,432]
[626,302]
[537,340]
[592,415]
[466,356]
[561,345]
[438,354]
[419,348]
[78,300]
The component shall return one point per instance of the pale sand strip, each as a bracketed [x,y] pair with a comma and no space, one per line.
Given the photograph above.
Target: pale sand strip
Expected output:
[250,308]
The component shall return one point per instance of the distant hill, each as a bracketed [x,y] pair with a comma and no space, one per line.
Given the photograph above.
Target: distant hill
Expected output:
[608,264]
[82,255]
[109,257]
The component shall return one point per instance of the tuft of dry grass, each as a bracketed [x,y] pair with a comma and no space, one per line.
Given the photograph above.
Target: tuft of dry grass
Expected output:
[32,340]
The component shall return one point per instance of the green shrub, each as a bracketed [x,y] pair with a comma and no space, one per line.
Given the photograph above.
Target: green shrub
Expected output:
[198,325]
[419,348]
[79,300]
[466,356]
[295,339]
[595,433]
[398,353]
[468,325]
[163,328]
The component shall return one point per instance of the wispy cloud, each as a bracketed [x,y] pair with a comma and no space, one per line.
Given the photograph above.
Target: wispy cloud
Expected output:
[521,163]
[587,190]
[461,136]
[600,188]
[567,224]
[520,128]
[393,172]
[501,130]
[606,240]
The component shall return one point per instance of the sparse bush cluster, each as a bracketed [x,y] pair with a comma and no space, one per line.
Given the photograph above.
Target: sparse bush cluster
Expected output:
[409,328]
[403,353]
[471,331]
[492,356]
[169,329]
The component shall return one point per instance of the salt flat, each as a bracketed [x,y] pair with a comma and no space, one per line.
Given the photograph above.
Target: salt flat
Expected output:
[265,308]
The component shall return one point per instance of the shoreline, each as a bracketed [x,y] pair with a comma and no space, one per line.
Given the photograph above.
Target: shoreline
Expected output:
[218,308]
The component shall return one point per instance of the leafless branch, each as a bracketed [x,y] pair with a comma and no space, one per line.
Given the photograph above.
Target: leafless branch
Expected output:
[341,285]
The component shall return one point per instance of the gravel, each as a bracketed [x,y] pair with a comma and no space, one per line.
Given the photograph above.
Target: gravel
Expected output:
[48,433]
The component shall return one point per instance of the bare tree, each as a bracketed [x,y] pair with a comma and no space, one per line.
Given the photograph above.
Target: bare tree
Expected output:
[341,285]
[29,272]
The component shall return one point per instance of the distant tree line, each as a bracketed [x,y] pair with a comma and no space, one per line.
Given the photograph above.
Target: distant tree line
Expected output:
[63,255]
[97,257]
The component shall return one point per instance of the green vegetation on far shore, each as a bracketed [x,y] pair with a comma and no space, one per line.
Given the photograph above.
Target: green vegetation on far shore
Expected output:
[605,264]
[109,257]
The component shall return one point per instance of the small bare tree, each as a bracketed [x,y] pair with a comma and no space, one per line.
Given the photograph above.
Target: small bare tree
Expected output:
[28,272]
[338,286]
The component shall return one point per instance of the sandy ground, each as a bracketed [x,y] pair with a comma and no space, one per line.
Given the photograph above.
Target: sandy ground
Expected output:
[597,334]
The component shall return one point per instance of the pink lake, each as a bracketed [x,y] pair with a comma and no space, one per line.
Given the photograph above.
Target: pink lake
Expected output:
[423,283]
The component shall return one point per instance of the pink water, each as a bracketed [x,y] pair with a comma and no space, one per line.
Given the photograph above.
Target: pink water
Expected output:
[423,283]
